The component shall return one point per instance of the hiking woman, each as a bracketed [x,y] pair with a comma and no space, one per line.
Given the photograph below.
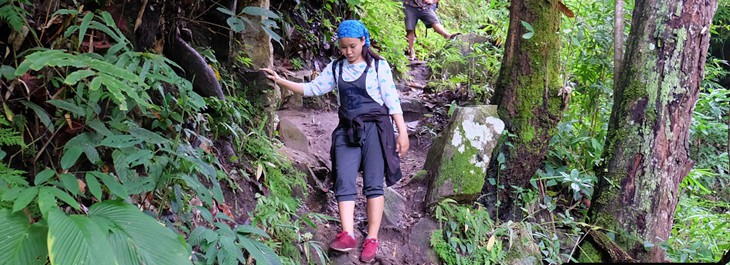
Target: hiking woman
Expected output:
[364,138]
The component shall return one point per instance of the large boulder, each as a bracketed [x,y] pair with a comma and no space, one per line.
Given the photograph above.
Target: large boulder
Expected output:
[457,161]
[292,136]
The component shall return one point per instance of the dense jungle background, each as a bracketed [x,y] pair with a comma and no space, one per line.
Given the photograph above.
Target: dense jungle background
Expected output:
[142,132]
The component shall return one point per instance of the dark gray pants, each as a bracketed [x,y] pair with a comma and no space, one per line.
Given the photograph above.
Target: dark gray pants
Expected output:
[414,14]
[349,158]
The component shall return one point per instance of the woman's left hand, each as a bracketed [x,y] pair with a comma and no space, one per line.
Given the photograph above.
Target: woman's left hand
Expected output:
[402,144]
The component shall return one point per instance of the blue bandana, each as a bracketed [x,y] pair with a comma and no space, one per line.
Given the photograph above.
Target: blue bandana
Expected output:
[353,29]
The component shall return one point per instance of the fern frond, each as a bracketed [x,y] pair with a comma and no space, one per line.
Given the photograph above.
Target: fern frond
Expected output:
[13,15]
[10,137]
[12,177]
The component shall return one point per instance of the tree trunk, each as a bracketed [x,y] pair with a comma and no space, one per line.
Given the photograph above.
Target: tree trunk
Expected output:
[527,94]
[618,41]
[261,91]
[647,147]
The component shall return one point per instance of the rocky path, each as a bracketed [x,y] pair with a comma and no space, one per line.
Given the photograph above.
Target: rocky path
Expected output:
[406,228]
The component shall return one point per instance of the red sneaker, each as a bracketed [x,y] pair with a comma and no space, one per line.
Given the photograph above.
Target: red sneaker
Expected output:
[343,242]
[369,249]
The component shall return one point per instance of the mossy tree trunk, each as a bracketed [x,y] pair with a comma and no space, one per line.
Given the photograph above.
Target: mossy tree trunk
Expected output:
[647,147]
[527,94]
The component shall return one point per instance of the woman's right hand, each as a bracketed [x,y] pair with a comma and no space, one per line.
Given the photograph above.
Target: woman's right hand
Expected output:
[271,74]
[282,82]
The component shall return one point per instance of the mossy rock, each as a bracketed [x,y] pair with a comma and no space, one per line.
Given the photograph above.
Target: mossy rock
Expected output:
[457,161]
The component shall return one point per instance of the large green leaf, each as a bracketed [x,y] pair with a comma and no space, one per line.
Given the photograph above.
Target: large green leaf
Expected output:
[84,26]
[76,76]
[87,142]
[43,176]
[71,183]
[236,24]
[120,141]
[138,238]
[148,136]
[258,11]
[260,252]
[20,241]
[70,156]
[113,184]
[25,197]
[62,104]
[41,113]
[94,186]
[61,195]
[76,239]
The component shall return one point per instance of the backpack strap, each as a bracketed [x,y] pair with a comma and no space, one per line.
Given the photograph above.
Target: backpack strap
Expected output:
[339,62]
[334,72]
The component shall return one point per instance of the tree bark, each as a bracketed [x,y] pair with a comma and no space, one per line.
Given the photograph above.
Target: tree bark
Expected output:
[618,41]
[527,94]
[647,147]
[261,91]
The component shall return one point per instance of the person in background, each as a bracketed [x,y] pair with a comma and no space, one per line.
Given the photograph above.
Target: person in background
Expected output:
[425,11]
[364,138]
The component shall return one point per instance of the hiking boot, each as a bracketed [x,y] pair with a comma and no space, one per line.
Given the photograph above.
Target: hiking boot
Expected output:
[343,242]
[369,249]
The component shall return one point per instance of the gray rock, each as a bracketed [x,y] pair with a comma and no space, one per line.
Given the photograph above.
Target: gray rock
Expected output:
[343,259]
[412,109]
[292,136]
[420,238]
[457,161]
[395,207]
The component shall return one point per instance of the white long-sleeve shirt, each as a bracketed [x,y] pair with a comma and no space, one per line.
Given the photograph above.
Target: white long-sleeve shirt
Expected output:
[380,87]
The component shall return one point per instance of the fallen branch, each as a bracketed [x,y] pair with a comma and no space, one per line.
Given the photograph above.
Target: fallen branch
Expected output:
[615,252]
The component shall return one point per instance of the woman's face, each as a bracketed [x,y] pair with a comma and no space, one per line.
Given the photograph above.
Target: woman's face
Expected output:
[351,48]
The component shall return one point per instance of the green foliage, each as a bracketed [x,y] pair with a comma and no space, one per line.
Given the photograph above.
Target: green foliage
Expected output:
[579,184]
[9,177]
[12,14]
[466,235]
[700,232]
[297,63]
[113,233]
[9,136]
[238,22]
[278,211]
[135,109]
[709,130]
[229,118]
[289,230]
[379,17]
[23,242]
[720,27]
[225,245]
[470,62]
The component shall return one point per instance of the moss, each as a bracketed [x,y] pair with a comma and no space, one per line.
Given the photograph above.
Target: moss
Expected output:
[465,177]
[543,74]
[589,254]
[527,134]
